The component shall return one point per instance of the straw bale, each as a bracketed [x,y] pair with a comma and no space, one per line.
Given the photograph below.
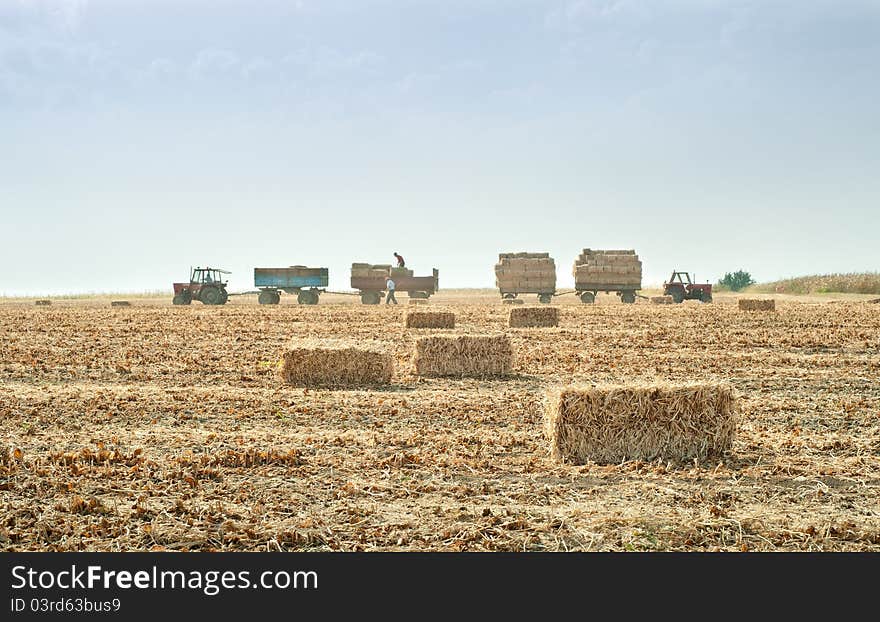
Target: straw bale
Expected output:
[474,356]
[662,300]
[43,303]
[612,424]
[534,317]
[747,304]
[330,363]
[513,301]
[120,303]
[418,301]
[430,319]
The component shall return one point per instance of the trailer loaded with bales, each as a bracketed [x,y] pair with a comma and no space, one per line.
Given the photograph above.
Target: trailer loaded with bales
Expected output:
[370,281]
[617,271]
[306,283]
[526,273]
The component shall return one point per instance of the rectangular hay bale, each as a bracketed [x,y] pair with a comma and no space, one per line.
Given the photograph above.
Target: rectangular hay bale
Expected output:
[329,363]
[473,356]
[534,317]
[43,303]
[612,424]
[120,303]
[747,304]
[662,300]
[430,319]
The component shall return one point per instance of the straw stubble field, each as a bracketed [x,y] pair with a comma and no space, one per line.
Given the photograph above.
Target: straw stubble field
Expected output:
[154,427]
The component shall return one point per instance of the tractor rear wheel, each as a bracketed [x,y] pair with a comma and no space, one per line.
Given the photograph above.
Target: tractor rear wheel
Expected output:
[267,297]
[588,298]
[628,298]
[707,298]
[211,296]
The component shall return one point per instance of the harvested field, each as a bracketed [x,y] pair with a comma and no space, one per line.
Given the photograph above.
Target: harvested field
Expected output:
[472,356]
[332,363]
[167,429]
[534,317]
[746,304]
[647,422]
[432,319]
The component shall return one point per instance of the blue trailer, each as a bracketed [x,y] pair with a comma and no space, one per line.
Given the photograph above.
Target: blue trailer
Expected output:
[306,283]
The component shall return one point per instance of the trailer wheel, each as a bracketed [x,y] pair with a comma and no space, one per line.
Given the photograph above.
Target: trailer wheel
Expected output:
[267,297]
[588,298]
[508,296]
[371,298]
[628,297]
[545,299]
[307,297]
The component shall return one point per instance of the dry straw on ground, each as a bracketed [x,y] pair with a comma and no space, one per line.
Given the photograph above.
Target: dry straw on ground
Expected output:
[332,363]
[430,319]
[747,304]
[534,317]
[613,424]
[662,300]
[463,356]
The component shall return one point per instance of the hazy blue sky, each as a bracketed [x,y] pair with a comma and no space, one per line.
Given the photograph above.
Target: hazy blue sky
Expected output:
[139,137]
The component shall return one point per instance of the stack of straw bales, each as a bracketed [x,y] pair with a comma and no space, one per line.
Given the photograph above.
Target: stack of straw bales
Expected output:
[534,317]
[525,273]
[615,424]
[662,300]
[336,363]
[746,304]
[425,319]
[463,356]
[366,270]
[619,268]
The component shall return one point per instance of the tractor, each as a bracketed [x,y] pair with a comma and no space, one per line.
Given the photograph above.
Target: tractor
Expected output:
[205,285]
[681,288]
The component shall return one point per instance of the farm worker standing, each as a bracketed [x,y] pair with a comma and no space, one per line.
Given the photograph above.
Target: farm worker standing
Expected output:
[390,285]
[400,262]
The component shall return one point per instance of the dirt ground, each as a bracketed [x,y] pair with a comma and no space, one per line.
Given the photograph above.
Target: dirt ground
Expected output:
[166,428]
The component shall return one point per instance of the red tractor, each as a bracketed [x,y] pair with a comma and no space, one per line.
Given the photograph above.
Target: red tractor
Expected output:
[681,288]
[205,285]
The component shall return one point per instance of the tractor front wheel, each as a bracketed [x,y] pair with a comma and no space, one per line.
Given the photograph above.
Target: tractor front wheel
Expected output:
[180,299]
[677,296]
[211,296]
[707,298]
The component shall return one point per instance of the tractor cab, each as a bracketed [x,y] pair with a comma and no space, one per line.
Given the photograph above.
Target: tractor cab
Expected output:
[208,276]
[681,287]
[205,285]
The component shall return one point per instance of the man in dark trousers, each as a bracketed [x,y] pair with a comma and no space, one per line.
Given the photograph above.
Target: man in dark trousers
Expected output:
[400,262]
[390,285]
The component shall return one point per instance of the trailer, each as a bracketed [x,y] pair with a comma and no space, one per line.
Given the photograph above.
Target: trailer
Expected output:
[306,283]
[373,288]
[618,271]
[526,273]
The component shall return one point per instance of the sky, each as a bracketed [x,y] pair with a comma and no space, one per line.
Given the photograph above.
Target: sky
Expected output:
[141,137]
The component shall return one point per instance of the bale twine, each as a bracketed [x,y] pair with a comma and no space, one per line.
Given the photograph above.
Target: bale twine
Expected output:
[749,304]
[662,300]
[435,319]
[463,356]
[613,424]
[534,317]
[329,363]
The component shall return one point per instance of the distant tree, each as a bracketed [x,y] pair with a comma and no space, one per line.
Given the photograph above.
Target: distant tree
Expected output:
[735,281]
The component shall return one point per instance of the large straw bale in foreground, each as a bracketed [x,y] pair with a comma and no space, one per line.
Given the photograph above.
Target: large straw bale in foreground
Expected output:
[534,317]
[336,363]
[613,424]
[463,355]
[430,319]
[746,304]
